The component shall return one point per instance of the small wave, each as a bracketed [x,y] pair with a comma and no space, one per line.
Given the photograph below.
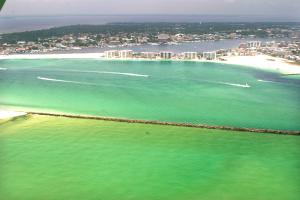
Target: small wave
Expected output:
[3,69]
[63,81]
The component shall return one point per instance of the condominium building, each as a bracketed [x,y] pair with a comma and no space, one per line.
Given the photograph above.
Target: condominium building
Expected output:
[165,55]
[149,55]
[126,54]
[111,54]
[210,55]
[254,44]
[190,55]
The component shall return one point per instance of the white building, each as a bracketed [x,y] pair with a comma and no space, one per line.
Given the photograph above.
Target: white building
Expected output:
[163,38]
[190,55]
[111,54]
[126,54]
[165,55]
[21,42]
[149,55]
[254,44]
[210,55]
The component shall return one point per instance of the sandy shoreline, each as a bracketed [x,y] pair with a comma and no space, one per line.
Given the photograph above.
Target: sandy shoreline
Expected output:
[7,114]
[52,56]
[262,62]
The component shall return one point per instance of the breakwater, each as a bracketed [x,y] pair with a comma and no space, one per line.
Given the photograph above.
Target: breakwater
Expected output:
[227,128]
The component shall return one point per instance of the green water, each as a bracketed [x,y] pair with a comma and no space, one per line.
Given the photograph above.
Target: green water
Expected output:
[205,93]
[59,158]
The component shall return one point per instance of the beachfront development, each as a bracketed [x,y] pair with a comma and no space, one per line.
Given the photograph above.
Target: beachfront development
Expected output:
[282,57]
[286,50]
[282,37]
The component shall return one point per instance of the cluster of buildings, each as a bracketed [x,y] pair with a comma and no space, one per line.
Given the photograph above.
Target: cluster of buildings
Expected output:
[89,40]
[288,50]
[285,49]
[124,54]
[163,55]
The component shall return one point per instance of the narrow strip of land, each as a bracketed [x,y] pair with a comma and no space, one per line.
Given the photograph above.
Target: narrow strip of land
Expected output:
[263,62]
[228,128]
[6,114]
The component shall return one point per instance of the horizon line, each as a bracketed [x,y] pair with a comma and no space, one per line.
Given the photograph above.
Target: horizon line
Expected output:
[148,14]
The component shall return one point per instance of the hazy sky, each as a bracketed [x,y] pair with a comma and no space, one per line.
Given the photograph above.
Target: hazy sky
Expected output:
[283,8]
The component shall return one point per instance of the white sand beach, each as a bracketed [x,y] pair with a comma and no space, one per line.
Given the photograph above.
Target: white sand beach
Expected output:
[53,56]
[7,114]
[263,62]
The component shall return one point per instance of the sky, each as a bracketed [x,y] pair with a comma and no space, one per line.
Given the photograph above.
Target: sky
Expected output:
[282,8]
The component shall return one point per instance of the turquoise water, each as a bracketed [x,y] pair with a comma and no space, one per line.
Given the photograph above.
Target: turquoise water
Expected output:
[206,93]
[59,158]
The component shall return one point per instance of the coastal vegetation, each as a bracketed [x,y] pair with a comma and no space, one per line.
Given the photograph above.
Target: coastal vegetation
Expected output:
[1,3]
[152,29]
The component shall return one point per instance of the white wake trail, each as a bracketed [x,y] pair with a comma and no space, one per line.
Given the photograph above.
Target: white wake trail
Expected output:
[3,69]
[266,81]
[107,72]
[121,73]
[235,84]
[63,81]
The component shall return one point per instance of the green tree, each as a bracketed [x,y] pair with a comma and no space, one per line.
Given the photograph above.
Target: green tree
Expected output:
[1,3]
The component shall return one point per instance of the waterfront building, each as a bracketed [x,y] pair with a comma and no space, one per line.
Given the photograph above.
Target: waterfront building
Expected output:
[243,46]
[254,44]
[210,55]
[190,55]
[126,54]
[165,55]
[149,55]
[21,42]
[111,54]
[163,38]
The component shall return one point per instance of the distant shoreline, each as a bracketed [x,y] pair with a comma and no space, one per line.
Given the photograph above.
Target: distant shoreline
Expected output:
[262,62]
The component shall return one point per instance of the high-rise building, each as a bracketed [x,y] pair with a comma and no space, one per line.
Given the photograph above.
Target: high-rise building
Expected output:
[190,55]
[254,44]
[149,55]
[210,55]
[126,54]
[111,54]
[165,55]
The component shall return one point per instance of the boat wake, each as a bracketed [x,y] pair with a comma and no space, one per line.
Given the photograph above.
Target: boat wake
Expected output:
[235,84]
[86,83]
[105,72]
[3,69]
[266,81]
[63,81]
[119,73]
